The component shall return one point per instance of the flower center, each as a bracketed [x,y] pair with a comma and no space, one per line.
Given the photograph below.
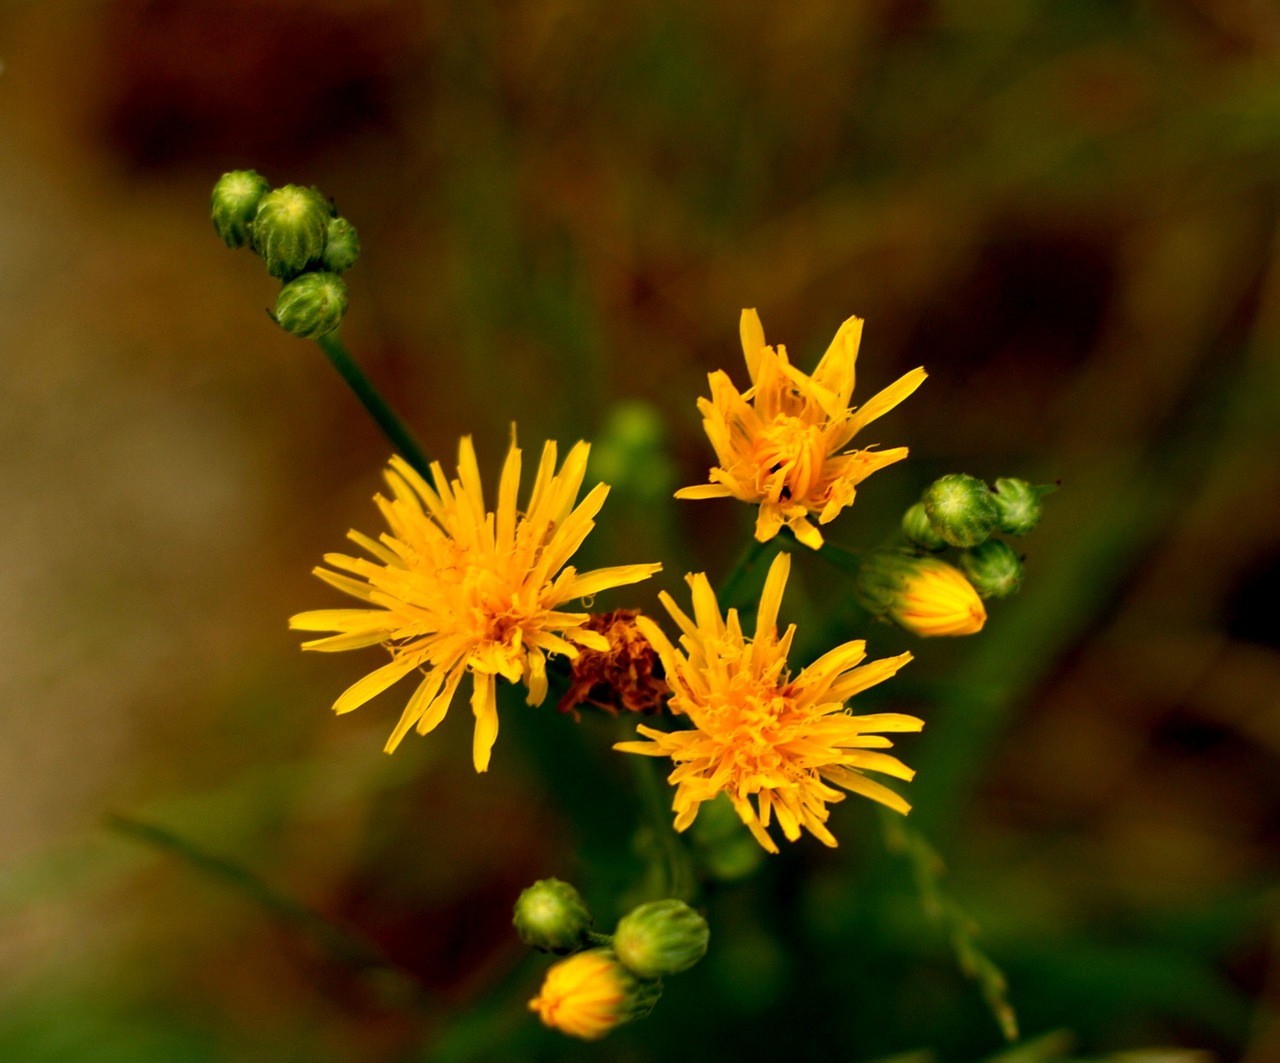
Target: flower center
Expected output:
[789,455]
[491,613]
[753,723]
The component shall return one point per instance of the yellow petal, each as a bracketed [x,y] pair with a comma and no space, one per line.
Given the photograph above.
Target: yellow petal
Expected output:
[752,334]
[884,401]
[704,491]
[422,697]
[836,368]
[771,598]
[375,683]
[485,708]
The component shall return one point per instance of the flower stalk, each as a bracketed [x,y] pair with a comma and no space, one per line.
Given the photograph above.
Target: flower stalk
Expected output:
[397,432]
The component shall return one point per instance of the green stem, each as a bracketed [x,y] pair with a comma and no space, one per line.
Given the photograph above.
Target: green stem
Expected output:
[387,419]
[845,560]
[677,873]
[343,945]
[735,583]
[926,870]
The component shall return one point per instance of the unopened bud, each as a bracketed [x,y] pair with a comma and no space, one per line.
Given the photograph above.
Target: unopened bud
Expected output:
[917,528]
[1018,504]
[341,246]
[630,453]
[289,229]
[924,595]
[591,993]
[993,568]
[312,305]
[552,916]
[661,938]
[961,509]
[233,204]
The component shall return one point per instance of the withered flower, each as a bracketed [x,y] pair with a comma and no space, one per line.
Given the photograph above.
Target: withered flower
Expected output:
[627,677]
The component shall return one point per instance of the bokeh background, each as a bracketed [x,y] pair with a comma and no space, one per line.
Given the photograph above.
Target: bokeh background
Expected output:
[1066,212]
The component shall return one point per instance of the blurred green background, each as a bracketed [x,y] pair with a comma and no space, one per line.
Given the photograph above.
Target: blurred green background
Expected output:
[1066,212]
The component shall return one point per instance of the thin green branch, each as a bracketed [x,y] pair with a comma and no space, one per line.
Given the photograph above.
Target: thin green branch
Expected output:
[735,584]
[349,949]
[387,419]
[927,870]
[678,879]
[837,556]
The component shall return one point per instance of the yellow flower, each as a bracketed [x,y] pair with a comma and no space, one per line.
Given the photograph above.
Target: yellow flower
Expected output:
[589,994]
[936,599]
[926,596]
[455,588]
[758,732]
[782,442]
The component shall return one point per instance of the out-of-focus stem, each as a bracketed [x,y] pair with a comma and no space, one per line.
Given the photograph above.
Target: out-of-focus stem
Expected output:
[387,419]
[679,877]
[734,583]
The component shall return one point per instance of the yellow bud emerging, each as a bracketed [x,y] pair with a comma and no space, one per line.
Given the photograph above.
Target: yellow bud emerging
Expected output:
[590,993]
[938,600]
[925,596]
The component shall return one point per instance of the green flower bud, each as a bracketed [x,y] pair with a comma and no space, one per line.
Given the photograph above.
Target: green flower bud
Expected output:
[661,938]
[916,527]
[993,568]
[961,509]
[311,305]
[923,595]
[1018,504]
[630,453]
[234,203]
[551,916]
[289,229]
[341,246]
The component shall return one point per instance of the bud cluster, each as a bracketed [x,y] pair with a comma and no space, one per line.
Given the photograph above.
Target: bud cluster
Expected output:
[609,979]
[301,240]
[924,594]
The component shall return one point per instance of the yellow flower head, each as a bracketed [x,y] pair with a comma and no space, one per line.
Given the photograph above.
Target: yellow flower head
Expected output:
[758,732]
[936,599]
[587,995]
[454,588]
[782,443]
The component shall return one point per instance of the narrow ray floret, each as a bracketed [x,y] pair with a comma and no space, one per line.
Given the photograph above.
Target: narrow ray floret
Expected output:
[784,442]
[760,735]
[455,588]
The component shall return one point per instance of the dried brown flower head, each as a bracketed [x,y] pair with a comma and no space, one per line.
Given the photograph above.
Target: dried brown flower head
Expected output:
[626,677]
